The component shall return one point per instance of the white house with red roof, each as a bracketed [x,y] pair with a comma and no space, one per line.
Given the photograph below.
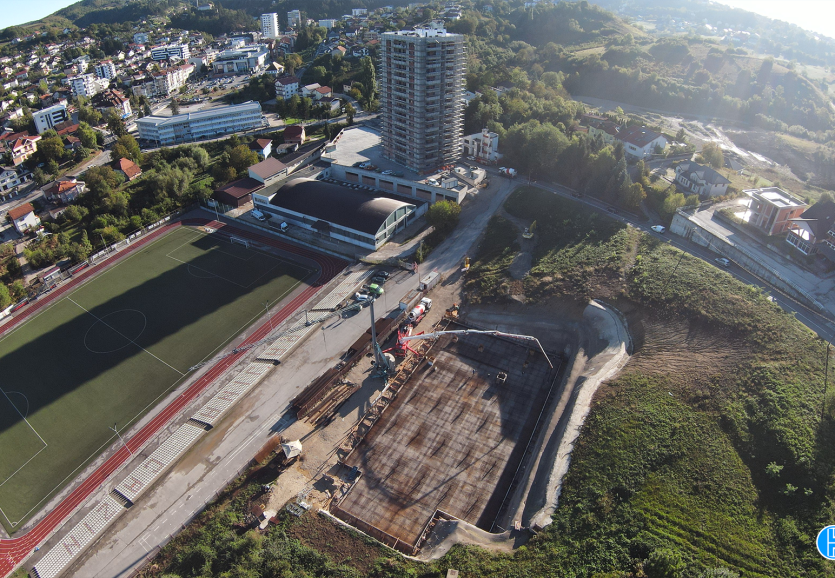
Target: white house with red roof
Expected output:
[286,87]
[639,141]
[24,219]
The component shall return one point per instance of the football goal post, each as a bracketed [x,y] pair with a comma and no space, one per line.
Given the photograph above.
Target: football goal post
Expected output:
[239,241]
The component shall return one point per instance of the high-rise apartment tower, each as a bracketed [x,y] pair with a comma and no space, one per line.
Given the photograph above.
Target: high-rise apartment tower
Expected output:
[421,83]
[269,25]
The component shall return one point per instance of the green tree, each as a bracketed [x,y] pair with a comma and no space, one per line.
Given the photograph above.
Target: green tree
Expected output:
[350,111]
[127,147]
[175,106]
[664,563]
[368,77]
[241,158]
[712,154]
[116,125]
[51,149]
[89,115]
[444,216]
[87,136]
[200,156]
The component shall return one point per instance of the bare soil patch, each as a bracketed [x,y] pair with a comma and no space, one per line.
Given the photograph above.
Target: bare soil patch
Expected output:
[694,356]
[341,546]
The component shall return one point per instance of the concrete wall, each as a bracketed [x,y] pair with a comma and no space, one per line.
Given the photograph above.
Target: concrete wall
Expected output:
[396,185]
[684,227]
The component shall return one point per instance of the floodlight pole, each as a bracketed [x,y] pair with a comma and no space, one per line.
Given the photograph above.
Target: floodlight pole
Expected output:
[269,315]
[121,439]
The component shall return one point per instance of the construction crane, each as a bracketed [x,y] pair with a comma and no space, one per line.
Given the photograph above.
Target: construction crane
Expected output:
[403,339]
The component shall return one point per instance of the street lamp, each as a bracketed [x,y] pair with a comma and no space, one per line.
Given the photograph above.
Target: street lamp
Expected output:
[121,439]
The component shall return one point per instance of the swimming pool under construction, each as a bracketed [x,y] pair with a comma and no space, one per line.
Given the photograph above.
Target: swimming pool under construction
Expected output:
[454,441]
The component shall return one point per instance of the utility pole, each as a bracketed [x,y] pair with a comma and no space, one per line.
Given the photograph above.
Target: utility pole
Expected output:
[377,359]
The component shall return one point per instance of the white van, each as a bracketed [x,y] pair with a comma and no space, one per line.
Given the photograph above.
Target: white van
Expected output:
[258,215]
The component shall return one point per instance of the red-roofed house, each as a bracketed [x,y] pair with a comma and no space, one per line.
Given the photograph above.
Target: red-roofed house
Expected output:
[128,168]
[268,171]
[286,87]
[322,92]
[73,142]
[23,148]
[238,193]
[263,146]
[641,142]
[64,191]
[24,219]
[294,134]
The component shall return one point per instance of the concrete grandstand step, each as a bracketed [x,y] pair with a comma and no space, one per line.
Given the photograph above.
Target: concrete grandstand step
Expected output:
[162,457]
[214,409]
[76,539]
[344,290]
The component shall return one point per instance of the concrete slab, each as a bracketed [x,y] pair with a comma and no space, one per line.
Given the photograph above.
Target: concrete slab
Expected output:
[452,440]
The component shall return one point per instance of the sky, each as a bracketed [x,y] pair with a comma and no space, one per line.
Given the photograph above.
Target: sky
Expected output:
[815,15]
[19,12]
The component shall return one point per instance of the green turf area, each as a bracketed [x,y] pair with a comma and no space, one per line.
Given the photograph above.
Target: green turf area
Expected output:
[107,351]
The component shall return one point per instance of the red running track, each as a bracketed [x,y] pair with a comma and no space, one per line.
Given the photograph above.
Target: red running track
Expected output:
[16,550]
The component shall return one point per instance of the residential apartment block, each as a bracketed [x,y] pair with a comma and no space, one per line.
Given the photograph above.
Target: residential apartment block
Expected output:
[10,179]
[771,209]
[106,70]
[202,125]
[47,118]
[164,82]
[169,51]
[328,23]
[286,87]
[421,90]
[269,25]
[294,18]
[87,84]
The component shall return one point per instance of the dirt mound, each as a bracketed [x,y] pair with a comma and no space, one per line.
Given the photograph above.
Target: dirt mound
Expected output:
[691,353]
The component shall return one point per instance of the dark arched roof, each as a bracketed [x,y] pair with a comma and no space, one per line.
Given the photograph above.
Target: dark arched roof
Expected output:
[360,211]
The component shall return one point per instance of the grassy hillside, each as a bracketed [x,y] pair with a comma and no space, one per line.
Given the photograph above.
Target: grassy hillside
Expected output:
[710,446]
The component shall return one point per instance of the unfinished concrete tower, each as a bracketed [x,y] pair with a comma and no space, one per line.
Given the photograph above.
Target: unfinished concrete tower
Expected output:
[421,89]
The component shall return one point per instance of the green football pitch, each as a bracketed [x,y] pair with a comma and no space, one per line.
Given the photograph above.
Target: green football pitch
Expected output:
[108,351]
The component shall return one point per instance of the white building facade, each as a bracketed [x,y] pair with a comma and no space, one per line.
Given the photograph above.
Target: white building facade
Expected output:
[294,18]
[47,118]
[269,25]
[106,70]
[171,51]
[202,125]
[87,84]
[483,146]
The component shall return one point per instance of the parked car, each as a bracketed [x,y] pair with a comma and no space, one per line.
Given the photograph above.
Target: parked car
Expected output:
[387,172]
[658,228]
[363,297]
[378,280]
[383,274]
[722,262]
[470,158]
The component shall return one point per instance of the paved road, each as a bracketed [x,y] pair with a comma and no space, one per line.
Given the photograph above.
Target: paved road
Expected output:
[226,449]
